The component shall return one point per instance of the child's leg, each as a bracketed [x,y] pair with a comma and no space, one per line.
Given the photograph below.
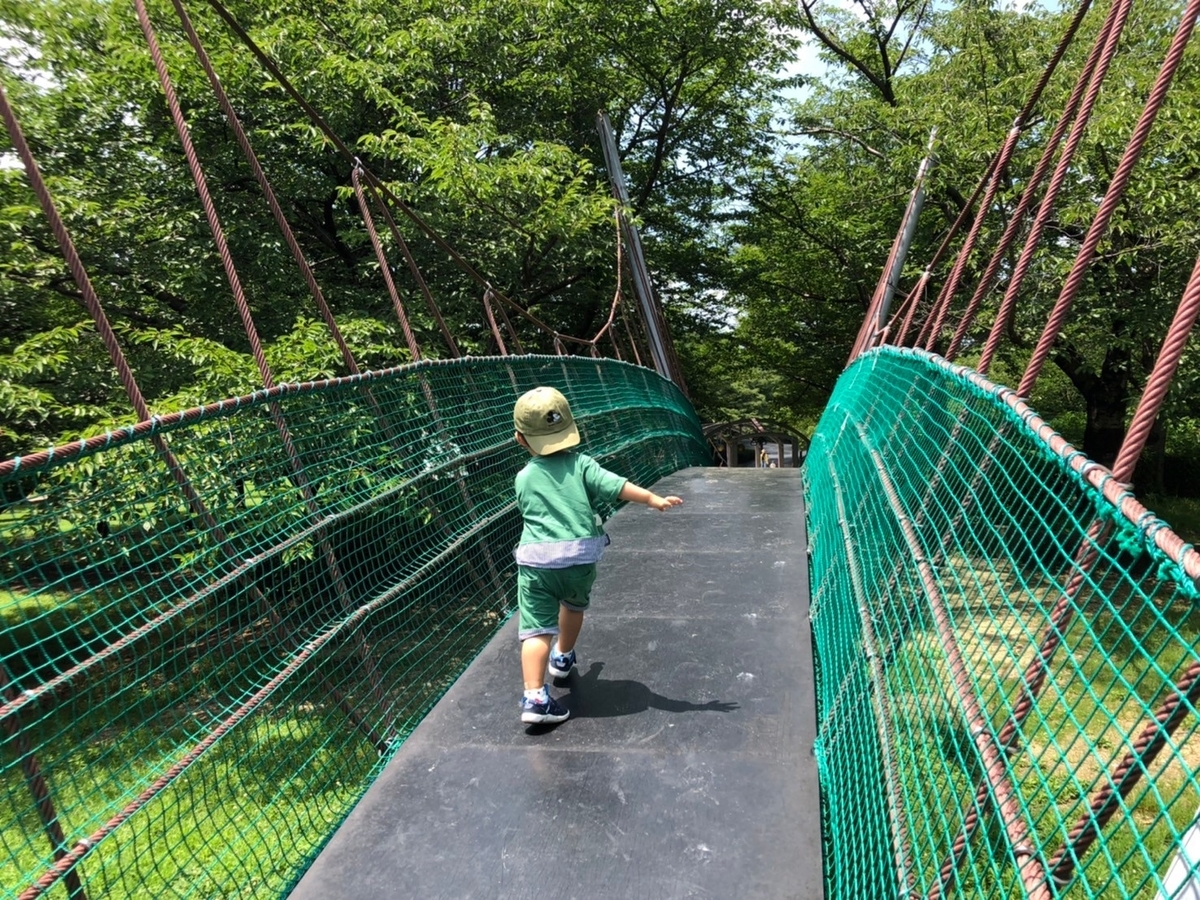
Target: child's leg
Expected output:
[538,628]
[569,623]
[574,597]
[535,655]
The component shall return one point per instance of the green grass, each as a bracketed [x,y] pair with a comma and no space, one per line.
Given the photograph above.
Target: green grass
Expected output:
[246,817]
[1104,687]
[215,832]
[1181,513]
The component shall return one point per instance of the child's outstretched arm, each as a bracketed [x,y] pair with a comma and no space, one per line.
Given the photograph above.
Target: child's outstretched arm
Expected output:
[637,494]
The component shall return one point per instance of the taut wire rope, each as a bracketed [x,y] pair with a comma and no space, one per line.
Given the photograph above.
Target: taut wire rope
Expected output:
[385,270]
[243,307]
[31,768]
[371,179]
[1112,196]
[413,269]
[950,288]
[234,122]
[908,309]
[491,318]
[1172,711]
[1029,192]
[1118,14]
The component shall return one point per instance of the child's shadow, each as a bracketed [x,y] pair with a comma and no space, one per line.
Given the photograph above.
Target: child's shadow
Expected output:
[593,698]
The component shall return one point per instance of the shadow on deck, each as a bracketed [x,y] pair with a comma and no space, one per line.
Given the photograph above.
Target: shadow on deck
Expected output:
[686,769]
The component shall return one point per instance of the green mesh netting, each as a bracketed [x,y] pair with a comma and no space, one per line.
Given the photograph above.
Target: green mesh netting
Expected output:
[205,664]
[944,534]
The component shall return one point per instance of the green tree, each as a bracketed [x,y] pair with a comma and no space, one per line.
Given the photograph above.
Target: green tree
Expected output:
[823,215]
[480,116]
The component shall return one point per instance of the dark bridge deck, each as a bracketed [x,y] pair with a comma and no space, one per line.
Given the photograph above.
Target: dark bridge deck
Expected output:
[686,769]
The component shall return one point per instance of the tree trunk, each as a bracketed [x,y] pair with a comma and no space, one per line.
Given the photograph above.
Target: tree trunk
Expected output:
[1150,475]
[1105,395]
[1105,428]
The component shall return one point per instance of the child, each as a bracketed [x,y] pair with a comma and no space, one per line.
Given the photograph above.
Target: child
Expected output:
[557,493]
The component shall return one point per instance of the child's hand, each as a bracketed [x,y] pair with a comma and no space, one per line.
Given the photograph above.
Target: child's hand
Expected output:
[663,503]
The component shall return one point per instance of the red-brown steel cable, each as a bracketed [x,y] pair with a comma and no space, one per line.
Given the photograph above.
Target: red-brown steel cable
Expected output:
[74,264]
[513,337]
[1112,197]
[862,339]
[414,348]
[1003,157]
[35,780]
[941,306]
[612,337]
[415,271]
[299,474]
[901,845]
[1131,768]
[637,356]
[491,294]
[612,311]
[1127,774]
[38,786]
[1017,220]
[530,317]
[1114,25]
[201,183]
[909,308]
[1037,670]
[942,249]
[963,214]
[234,122]
[1031,684]
[491,318]
[276,208]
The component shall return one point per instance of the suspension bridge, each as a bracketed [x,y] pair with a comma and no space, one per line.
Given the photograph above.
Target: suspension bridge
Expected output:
[263,646]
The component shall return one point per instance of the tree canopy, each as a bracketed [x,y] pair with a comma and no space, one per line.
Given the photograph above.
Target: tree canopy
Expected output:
[823,212]
[768,200]
[480,116]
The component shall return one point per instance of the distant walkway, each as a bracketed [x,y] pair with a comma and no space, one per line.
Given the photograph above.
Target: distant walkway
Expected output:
[686,768]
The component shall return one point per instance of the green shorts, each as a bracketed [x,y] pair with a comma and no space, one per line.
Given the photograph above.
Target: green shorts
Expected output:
[540,592]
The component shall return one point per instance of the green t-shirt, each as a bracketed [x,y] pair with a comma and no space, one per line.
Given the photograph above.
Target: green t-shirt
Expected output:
[557,496]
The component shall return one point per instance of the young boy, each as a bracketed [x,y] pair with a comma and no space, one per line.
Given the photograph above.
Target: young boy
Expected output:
[557,493]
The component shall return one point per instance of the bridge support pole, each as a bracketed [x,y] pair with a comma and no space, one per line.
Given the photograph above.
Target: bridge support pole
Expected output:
[664,357]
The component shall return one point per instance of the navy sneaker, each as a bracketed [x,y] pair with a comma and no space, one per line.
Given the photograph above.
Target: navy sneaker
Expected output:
[537,712]
[561,664]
